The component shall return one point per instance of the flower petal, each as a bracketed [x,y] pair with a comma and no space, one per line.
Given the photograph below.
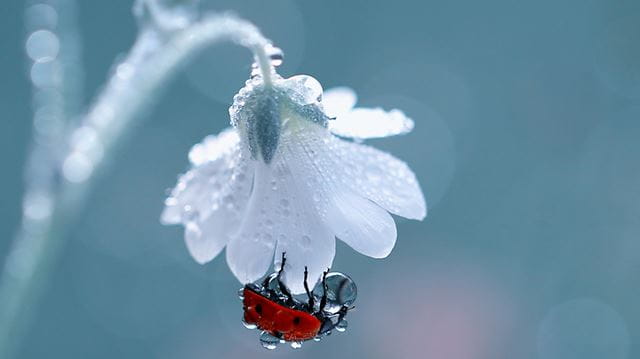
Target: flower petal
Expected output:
[338,101]
[362,224]
[214,160]
[249,254]
[211,198]
[250,251]
[304,237]
[366,123]
[213,147]
[376,175]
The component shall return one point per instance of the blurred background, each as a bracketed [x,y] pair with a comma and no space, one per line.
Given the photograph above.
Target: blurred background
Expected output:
[526,145]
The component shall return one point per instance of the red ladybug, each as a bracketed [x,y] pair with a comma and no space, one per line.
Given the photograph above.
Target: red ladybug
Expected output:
[271,308]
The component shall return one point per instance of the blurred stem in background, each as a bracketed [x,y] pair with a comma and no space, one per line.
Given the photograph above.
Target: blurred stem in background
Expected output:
[65,156]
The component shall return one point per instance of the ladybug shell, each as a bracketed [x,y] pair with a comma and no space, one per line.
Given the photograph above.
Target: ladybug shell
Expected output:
[277,319]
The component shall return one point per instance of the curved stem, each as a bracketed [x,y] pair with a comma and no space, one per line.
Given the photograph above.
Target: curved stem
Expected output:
[154,58]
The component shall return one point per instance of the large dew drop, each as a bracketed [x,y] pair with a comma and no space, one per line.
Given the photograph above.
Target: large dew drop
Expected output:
[341,291]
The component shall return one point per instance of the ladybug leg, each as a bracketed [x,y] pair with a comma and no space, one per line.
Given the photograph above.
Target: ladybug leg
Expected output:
[323,300]
[328,325]
[311,302]
[283,288]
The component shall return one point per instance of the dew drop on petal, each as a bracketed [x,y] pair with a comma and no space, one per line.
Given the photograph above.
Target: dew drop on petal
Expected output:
[305,89]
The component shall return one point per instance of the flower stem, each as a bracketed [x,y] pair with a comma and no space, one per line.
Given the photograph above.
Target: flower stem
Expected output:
[49,209]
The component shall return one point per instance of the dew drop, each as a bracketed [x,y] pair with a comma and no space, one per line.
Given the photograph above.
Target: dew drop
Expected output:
[249,325]
[189,214]
[77,167]
[275,54]
[268,341]
[342,326]
[296,345]
[341,291]
[45,74]
[42,45]
[37,206]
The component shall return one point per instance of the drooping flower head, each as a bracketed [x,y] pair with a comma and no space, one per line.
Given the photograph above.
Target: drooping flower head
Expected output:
[280,180]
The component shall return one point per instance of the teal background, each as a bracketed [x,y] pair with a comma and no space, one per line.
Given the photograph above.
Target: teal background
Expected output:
[526,145]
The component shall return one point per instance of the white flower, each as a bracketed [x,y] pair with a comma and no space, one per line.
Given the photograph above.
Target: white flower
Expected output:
[280,181]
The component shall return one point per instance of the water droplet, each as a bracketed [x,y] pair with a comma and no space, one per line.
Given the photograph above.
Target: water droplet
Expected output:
[275,54]
[37,206]
[249,325]
[305,89]
[268,341]
[190,214]
[296,345]
[42,45]
[341,291]
[342,326]
[77,167]
[45,74]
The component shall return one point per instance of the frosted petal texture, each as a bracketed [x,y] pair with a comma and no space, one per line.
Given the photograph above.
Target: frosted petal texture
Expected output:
[314,188]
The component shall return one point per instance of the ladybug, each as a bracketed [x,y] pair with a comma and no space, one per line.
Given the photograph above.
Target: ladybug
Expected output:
[271,308]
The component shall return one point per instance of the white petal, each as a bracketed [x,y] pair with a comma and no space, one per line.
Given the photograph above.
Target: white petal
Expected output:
[250,251]
[338,100]
[378,176]
[210,199]
[281,217]
[201,249]
[207,234]
[249,255]
[304,237]
[366,123]
[214,147]
[362,224]
[214,160]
